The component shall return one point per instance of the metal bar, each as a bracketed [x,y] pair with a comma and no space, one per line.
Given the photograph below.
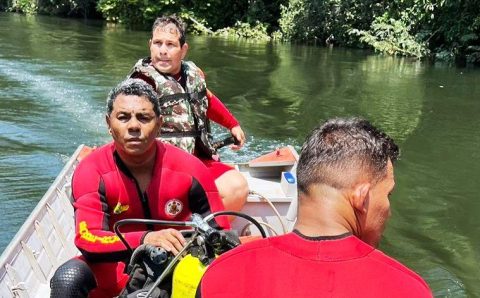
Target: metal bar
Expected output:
[46,245]
[32,259]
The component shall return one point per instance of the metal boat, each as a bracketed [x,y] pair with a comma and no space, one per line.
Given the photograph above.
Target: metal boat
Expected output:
[46,239]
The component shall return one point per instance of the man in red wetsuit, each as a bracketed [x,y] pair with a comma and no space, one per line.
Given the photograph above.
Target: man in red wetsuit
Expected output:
[135,176]
[345,177]
[187,106]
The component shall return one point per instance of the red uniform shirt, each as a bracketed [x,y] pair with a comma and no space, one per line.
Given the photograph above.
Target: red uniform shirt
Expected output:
[104,192]
[292,266]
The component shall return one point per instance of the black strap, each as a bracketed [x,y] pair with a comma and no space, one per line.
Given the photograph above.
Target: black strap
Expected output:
[180,134]
[191,97]
[196,96]
[172,97]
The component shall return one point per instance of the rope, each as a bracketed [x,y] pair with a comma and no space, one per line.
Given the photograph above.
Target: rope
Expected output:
[244,230]
[284,228]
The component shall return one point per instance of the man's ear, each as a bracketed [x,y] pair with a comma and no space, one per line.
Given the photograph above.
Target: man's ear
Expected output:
[361,196]
[149,43]
[160,120]
[158,125]
[107,120]
[184,50]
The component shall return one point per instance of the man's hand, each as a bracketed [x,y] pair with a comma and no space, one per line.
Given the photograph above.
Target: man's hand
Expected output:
[239,135]
[169,239]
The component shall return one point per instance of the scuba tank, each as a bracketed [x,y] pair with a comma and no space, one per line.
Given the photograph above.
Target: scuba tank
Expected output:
[190,269]
[155,273]
[187,276]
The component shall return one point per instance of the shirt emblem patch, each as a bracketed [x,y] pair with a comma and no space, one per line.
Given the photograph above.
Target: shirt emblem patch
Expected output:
[173,207]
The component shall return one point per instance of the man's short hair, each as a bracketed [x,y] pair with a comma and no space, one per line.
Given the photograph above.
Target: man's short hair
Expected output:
[340,151]
[173,19]
[136,87]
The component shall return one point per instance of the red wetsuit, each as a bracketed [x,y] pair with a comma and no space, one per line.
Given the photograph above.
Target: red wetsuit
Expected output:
[220,114]
[105,191]
[293,266]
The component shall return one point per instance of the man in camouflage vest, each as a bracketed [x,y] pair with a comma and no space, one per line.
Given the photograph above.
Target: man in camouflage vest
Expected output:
[187,106]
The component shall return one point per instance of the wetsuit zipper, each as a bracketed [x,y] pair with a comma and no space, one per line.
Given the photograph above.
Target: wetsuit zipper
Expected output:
[142,196]
[144,200]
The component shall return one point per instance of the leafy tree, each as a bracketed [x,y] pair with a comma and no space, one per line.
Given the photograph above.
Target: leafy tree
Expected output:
[316,20]
[391,36]
[244,30]
[25,6]
[446,28]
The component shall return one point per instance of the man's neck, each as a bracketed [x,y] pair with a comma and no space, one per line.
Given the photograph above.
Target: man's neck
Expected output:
[139,163]
[141,167]
[325,212]
[177,76]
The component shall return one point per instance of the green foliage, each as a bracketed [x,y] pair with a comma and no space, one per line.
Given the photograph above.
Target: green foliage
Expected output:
[392,37]
[258,32]
[410,27]
[136,12]
[307,20]
[83,8]
[25,6]
[448,29]
[312,20]
[473,55]
[266,12]
[219,13]
[214,14]
[142,13]
[291,17]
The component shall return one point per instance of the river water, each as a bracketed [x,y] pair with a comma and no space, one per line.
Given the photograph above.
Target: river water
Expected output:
[55,74]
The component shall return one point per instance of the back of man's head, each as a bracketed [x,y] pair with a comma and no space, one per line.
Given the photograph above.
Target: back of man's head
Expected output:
[133,87]
[341,151]
[176,21]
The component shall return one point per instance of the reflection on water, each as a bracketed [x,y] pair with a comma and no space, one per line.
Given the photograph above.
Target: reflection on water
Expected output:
[55,74]
[397,104]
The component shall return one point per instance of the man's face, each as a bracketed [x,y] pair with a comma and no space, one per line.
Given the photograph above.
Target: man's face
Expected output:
[378,208]
[165,49]
[133,124]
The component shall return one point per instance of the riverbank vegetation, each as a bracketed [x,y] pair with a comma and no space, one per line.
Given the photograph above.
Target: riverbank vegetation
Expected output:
[441,29]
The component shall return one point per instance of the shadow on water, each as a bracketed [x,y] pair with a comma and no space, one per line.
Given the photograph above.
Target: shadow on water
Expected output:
[55,74]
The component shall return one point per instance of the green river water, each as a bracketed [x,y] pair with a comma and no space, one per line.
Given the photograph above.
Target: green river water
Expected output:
[55,74]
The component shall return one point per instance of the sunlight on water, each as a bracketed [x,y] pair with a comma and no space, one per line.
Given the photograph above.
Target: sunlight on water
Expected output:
[70,100]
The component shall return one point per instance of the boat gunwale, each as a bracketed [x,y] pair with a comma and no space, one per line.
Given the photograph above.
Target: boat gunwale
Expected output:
[14,247]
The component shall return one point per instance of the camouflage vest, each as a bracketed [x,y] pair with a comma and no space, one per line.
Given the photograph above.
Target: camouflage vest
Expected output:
[184,110]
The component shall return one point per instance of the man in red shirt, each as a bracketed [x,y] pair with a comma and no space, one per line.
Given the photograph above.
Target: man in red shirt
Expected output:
[135,176]
[345,177]
[187,106]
